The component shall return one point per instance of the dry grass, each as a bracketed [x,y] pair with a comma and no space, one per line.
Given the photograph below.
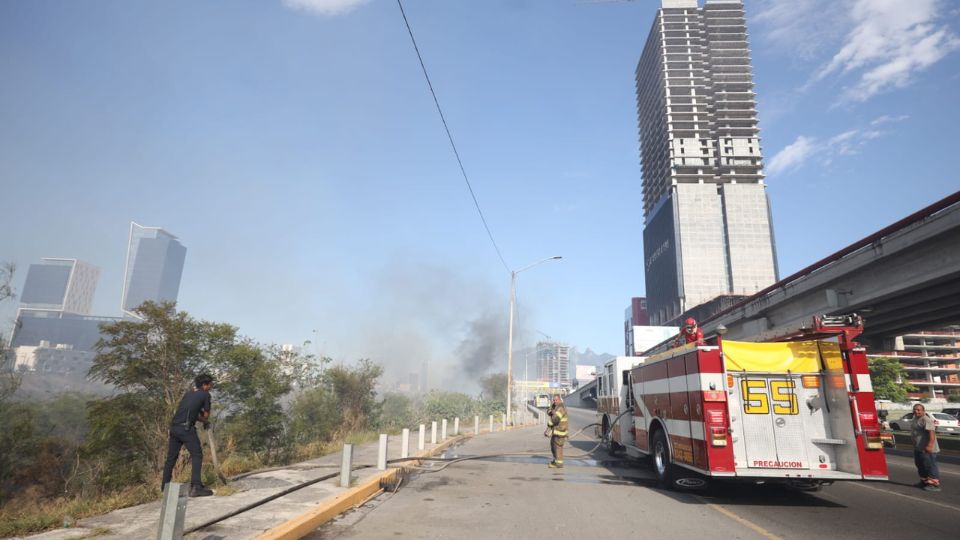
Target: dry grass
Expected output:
[27,514]
[24,517]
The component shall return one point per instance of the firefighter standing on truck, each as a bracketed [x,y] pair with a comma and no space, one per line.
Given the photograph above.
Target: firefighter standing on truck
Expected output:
[557,425]
[690,333]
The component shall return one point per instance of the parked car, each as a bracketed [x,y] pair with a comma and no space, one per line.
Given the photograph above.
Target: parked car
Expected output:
[954,412]
[943,422]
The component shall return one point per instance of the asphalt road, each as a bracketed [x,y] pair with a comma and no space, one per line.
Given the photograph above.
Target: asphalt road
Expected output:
[597,496]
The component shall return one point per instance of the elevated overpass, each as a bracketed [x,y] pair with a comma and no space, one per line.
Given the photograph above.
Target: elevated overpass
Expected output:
[583,396]
[903,278]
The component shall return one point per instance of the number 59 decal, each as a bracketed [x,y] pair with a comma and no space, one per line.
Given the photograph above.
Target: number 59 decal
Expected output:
[757,401]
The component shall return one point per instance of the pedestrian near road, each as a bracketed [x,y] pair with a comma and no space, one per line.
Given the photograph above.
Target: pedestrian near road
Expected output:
[194,406]
[557,425]
[925,449]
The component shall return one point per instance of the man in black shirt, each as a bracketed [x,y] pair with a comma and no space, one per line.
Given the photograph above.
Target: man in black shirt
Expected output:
[195,405]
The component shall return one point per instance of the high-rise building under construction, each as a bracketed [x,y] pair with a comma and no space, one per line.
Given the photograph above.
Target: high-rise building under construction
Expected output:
[707,229]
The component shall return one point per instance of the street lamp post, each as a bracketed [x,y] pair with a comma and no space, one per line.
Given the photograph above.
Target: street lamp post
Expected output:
[513,301]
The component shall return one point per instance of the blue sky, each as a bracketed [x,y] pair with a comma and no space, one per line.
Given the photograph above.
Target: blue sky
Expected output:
[295,149]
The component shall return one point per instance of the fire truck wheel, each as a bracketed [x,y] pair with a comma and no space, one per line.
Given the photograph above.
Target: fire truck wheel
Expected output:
[661,460]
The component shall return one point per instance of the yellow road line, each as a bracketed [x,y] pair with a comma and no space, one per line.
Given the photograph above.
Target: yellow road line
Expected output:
[741,520]
[911,497]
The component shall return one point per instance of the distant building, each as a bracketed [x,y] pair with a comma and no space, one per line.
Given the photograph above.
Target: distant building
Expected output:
[79,332]
[60,285]
[554,361]
[55,308]
[707,229]
[52,359]
[931,360]
[424,385]
[635,315]
[585,374]
[153,269]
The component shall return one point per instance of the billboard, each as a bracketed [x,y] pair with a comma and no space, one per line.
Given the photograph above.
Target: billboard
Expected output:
[646,337]
[586,373]
[661,259]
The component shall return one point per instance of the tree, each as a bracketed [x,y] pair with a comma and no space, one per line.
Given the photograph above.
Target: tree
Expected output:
[344,402]
[7,270]
[17,435]
[152,362]
[494,386]
[448,405]
[253,381]
[355,392]
[889,379]
[314,416]
[396,411]
[16,420]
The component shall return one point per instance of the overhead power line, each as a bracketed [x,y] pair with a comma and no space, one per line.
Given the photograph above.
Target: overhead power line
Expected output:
[450,137]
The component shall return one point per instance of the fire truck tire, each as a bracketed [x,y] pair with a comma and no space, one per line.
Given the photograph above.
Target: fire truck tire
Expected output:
[661,460]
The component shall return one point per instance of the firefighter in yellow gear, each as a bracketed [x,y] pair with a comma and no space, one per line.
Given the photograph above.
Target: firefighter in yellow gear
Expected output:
[557,425]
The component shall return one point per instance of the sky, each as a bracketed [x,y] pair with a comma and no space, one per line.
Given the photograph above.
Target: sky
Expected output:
[294,148]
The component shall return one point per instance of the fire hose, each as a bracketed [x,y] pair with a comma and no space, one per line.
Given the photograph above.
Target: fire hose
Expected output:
[446,463]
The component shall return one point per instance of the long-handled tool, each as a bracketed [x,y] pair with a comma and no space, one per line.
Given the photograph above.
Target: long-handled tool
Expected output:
[213,452]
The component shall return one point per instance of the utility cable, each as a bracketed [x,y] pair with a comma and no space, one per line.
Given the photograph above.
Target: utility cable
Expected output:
[450,137]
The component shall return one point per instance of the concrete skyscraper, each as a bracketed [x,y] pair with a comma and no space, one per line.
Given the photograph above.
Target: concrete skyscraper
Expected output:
[554,361]
[707,229]
[154,267]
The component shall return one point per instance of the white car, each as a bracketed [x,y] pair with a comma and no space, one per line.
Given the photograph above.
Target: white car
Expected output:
[943,422]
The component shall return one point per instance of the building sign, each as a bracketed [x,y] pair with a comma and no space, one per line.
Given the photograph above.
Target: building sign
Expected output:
[661,260]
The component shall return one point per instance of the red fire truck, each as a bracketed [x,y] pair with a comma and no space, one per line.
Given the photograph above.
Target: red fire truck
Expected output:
[798,410]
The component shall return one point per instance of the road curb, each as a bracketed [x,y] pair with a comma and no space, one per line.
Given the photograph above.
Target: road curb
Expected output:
[301,525]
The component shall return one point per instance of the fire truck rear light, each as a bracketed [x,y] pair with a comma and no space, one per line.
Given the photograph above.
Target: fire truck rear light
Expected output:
[811,381]
[873,440]
[714,395]
[729,381]
[718,436]
[715,417]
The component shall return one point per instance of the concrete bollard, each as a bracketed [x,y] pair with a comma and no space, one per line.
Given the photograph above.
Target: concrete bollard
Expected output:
[433,432]
[476,425]
[405,443]
[420,442]
[443,430]
[491,423]
[382,453]
[503,422]
[346,465]
[172,511]
[456,426]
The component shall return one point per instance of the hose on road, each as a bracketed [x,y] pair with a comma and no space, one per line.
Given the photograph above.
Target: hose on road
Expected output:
[446,463]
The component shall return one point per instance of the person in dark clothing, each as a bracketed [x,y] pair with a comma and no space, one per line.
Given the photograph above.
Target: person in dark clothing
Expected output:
[194,406]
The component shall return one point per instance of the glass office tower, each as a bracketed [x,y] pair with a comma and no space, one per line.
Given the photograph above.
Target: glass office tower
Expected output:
[154,267]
